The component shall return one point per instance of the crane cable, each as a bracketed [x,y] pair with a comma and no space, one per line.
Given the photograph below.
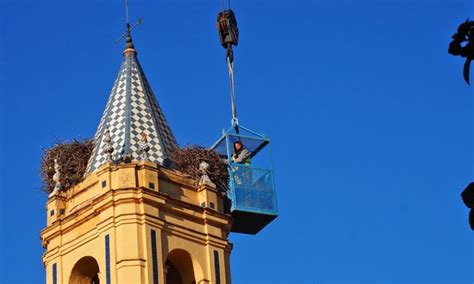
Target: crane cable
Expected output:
[230,58]
[230,65]
[223,4]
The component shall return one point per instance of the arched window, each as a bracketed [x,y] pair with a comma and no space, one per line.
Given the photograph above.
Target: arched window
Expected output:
[85,271]
[179,268]
[172,274]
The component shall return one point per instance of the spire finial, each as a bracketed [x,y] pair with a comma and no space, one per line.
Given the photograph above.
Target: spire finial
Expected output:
[128,39]
[126,12]
[129,47]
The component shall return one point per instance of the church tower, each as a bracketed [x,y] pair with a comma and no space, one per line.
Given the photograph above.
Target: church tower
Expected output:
[133,219]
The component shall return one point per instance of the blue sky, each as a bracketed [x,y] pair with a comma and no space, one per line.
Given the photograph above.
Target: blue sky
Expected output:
[370,120]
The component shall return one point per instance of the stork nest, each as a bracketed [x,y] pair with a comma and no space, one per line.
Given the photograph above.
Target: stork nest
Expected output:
[72,159]
[187,160]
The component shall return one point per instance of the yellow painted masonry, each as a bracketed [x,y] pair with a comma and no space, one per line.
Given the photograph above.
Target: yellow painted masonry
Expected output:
[126,204]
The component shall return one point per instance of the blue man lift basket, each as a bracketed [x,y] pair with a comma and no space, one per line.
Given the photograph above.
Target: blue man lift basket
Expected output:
[251,189]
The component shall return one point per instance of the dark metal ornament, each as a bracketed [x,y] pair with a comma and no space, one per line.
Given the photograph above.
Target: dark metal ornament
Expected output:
[465,33]
[467,67]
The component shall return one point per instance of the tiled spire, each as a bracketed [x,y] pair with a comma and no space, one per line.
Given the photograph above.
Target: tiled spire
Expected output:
[131,111]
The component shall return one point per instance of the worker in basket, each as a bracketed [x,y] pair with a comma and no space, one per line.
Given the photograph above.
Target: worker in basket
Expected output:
[241,154]
[242,175]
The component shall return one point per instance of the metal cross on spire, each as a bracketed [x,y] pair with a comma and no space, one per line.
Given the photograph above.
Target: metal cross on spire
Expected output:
[129,28]
[126,11]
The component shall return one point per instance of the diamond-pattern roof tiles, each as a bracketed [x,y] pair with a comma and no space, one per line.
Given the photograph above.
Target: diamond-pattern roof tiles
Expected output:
[131,110]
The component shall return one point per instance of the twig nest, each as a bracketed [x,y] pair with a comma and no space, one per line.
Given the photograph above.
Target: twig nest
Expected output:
[71,157]
[189,160]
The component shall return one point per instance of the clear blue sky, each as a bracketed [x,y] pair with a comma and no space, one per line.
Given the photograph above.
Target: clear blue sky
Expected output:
[371,123]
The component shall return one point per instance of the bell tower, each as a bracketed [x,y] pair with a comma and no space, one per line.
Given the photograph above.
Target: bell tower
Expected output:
[133,219]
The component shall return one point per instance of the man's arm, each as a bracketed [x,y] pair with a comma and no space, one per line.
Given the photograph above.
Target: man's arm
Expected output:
[244,154]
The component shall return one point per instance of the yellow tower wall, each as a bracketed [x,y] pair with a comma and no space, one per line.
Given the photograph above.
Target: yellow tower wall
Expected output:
[125,203]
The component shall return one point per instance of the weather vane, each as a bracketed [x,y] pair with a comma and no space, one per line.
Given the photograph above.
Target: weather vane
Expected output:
[465,33]
[129,28]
